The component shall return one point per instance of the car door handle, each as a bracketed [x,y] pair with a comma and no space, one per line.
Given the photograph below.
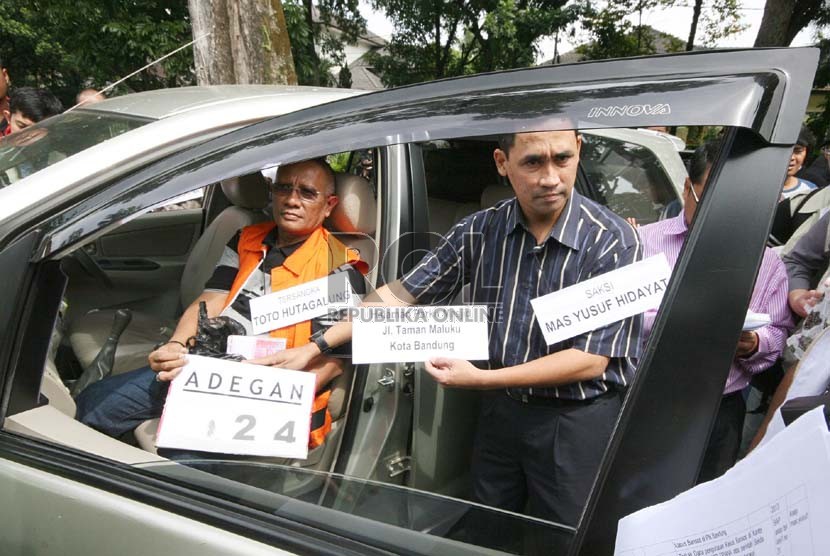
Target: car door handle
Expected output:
[128,264]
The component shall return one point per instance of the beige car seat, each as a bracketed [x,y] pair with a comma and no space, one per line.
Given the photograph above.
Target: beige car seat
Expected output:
[249,197]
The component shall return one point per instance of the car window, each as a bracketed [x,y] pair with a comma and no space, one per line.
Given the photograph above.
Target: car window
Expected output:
[632,178]
[637,174]
[52,140]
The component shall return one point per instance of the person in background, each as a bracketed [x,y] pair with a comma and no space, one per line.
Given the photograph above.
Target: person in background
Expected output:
[819,171]
[758,350]
[794,191]
[28,106]
[4,98]
[89,96]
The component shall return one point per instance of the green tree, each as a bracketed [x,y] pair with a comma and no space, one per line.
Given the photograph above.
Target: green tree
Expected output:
[68,45]
[784,19]
[318,45]
[435,39]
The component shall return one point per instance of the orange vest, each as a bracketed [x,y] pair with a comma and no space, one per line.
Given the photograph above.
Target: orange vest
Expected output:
[316,258]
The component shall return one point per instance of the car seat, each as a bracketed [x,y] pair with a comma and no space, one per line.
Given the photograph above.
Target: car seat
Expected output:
[249,197]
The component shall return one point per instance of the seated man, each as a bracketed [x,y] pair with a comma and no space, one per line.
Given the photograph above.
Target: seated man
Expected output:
[758,350]
[259,259]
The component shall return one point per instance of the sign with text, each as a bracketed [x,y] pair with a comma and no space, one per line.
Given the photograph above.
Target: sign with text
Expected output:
[414,334]
[226,407]
[300,303]
[602,300]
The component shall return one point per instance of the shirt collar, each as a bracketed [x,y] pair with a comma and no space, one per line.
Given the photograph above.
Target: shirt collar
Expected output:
[565,231]
[676,226]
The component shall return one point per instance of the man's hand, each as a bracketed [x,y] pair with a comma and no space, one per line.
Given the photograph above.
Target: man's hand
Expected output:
[298,358]
[325,369]
[168,361]
[801,301]
[747,344]
[456,373]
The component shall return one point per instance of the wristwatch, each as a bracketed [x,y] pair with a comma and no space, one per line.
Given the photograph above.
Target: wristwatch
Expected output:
[321,342]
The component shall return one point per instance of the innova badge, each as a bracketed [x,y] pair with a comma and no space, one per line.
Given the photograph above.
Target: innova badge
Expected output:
[630,110]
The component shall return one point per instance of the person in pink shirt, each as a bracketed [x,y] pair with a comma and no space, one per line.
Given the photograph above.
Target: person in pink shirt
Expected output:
[757,350]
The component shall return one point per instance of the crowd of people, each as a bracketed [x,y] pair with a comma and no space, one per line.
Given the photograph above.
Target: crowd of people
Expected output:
[21,107]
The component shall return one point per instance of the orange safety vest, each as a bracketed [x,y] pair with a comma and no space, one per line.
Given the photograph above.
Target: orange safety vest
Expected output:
[317,257]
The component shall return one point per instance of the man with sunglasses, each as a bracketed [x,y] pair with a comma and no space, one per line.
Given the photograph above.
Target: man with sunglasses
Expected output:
[292,249]
[757,350]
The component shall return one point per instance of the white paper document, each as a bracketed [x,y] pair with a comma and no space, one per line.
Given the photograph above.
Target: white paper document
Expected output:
[226,407]
[415,334]
[775,502]
[601,300]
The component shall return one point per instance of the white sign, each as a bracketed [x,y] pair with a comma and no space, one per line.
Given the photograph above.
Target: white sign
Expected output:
[601,300]
[301,303]
[235,408]
[773,502]
[254,347]
[404,334]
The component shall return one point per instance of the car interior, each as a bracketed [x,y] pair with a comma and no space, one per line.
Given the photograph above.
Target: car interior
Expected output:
[157,263]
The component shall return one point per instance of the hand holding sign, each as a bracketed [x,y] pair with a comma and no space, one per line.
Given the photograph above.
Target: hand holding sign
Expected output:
[456,373]
[168,360]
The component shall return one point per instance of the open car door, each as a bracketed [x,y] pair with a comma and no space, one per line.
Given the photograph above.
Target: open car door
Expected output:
[758,96]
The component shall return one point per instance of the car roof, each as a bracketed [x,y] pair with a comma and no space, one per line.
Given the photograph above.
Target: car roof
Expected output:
[163,103]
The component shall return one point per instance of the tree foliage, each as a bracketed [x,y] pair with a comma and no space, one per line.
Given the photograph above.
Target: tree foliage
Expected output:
[67,45]
[613,34]
[784,19]
[436,39]
[316,52]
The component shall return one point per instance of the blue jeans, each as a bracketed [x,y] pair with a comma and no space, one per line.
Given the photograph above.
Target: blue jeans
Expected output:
[118,404]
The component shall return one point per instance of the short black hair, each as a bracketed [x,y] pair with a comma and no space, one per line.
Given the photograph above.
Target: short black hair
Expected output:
[35,104]
[507,140]
[702,158]
[806,138]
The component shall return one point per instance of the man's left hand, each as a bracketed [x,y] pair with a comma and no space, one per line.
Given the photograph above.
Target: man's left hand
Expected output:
[297,358]
[747,344]
[456,373]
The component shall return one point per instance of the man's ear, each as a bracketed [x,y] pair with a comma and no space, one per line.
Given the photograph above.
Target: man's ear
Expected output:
[578,143]
[7,115]
[687,187]
[331,202]
[501,161]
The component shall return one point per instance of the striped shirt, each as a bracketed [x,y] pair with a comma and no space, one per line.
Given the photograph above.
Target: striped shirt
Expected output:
[494,252]
[769,296]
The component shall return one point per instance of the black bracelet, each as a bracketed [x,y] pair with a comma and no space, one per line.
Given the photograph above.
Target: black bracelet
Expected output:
[174,342]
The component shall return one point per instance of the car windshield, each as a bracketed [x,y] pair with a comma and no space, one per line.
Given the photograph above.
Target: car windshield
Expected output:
[41,145]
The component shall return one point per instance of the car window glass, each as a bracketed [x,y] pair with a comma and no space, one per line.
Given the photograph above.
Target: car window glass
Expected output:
[52,140]
[638,174]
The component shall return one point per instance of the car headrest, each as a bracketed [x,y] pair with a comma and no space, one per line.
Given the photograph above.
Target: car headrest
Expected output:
[492,194]
[357,210]
[250,191]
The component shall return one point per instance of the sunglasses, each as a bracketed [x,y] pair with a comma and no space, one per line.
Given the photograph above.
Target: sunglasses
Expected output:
[306,194]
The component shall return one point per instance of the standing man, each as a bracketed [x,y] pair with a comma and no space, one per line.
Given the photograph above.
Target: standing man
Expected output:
[548,411]
[4,98]
[757,350]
